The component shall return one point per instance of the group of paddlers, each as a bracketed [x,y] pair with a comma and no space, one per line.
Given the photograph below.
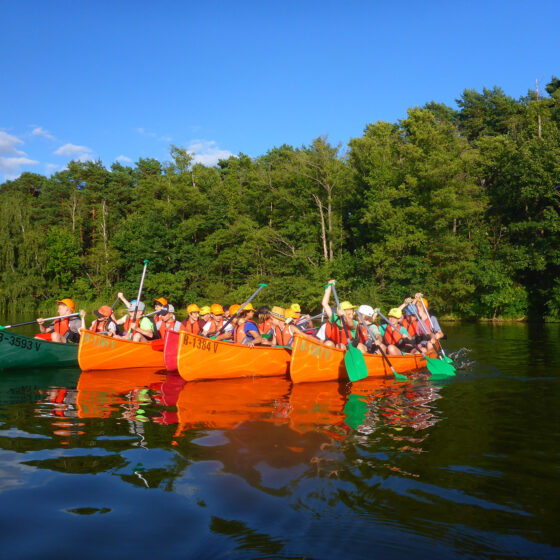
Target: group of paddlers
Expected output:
[407,329]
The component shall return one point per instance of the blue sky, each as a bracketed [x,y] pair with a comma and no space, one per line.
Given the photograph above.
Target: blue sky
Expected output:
[121,80]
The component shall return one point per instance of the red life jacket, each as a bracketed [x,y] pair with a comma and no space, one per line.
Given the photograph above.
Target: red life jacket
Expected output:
[61,326]
[128,324]
[392,335]
[98,326]
[166,326]
[215,326]
[409,323]
[193,328]
[336,333]
[265,326]
[279,334]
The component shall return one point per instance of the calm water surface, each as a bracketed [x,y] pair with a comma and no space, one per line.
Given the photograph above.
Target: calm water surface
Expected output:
[137,464]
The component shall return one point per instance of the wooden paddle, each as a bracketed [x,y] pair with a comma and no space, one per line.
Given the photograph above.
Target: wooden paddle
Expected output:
[353,359]
[398,376]
[35,322]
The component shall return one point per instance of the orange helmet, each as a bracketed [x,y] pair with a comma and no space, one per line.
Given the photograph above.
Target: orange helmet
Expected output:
[161,300]
[425,302]
[233,309]
[68,302]
[193,308]
[216,309]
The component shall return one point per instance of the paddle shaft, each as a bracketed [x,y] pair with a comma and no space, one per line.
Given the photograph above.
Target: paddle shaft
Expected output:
[432,325]
[35,322]
[424,328]
[398,330]
[139,294]
[397,375]
[222,328]
[341,315]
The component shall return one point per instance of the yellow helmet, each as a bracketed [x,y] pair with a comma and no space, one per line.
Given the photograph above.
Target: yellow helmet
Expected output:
[193,308]
[205,310]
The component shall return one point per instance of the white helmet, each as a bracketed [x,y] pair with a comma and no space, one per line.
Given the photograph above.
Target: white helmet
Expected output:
[366,310]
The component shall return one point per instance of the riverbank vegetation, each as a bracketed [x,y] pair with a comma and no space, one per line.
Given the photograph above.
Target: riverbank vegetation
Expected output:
[459,203]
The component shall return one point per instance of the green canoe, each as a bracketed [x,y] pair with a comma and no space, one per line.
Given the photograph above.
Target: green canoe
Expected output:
[19,352]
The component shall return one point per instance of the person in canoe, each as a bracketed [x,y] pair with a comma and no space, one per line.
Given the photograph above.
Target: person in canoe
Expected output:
[373,340]
[335,333]
[418,332]
[246,331]
[278,317]
[436,333]
[141,329]
[166,321]
[105,322]
[264,320]
[63,330]
[192,324]
[396,337]
[216,322]
[205,314]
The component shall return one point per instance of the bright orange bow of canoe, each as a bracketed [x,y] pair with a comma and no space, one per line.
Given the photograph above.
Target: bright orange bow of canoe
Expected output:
[313,361]
[99,351]
[203,358]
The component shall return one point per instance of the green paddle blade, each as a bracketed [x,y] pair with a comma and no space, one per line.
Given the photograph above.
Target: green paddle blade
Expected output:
[355,411]
[439,369]
[400,376]
[355,364]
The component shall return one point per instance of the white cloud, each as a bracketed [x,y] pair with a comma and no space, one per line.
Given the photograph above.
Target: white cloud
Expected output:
[73,150]
[207,152]
[124,159]
[8,145]
[40,131]
[11,166]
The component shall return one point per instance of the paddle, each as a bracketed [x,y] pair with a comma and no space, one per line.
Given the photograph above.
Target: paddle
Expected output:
[222,328]
[437,368]
[353,359]
[398,376]
[445,358]
[35,322]
[131,334]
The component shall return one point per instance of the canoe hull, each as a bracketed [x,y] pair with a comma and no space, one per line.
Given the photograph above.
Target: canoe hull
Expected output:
[313,361]
[19,352]
[101,352]
[202,358]
[170,348]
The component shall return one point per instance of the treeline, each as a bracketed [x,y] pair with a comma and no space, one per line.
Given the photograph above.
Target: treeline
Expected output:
[460,204]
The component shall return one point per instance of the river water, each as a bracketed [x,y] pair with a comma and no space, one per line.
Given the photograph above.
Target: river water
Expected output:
[138,464]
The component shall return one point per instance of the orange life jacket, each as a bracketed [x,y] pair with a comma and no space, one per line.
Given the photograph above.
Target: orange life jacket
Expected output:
[335,332]
[98,326]
[61,326]
[239,334]
[287,336]
[409,323]
[166,326]
[128,324]
[193,328]
[215,326]
[423,328]
[279,334]
[392,335]
[265,326]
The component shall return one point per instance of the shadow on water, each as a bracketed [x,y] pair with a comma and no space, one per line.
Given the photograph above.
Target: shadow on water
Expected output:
[256,468]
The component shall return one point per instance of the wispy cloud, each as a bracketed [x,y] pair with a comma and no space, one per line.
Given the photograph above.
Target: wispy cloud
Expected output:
[11,166]
[150,134]
[8,145]
[40,131]
[207,152]
[72,150]
[124,159]
[51,167]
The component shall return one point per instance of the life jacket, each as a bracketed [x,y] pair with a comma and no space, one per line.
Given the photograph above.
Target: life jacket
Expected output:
[266,326]
[363,334]
[279,334]
[62,326]
[165,326]
[215,326]
[193,328]
[128,325]
[287,336]
[336,333]
[239,335]
[423,328]
[409,323]
[98,326]
[392,335]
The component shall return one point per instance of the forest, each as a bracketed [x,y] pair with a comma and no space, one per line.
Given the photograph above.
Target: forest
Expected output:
[460,203]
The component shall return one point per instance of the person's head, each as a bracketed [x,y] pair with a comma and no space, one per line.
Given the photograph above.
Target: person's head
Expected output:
[420,308]
[217,311]
[166,312]
[263,313]
[227,312]
[205,312]
[193,311]
[291,315]
[104,313]
[410,312]
[348,310]
[233,309]
[65,306]
[394,316]
[159,303]
[248,311]
[367,312]
[139,307]
[278,316]
[296,307]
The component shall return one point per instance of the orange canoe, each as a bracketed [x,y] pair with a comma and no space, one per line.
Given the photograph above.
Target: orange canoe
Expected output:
[313,361]
[99,351]
[203,358]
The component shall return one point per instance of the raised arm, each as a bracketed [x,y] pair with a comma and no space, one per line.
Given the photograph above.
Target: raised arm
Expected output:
[326,298]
